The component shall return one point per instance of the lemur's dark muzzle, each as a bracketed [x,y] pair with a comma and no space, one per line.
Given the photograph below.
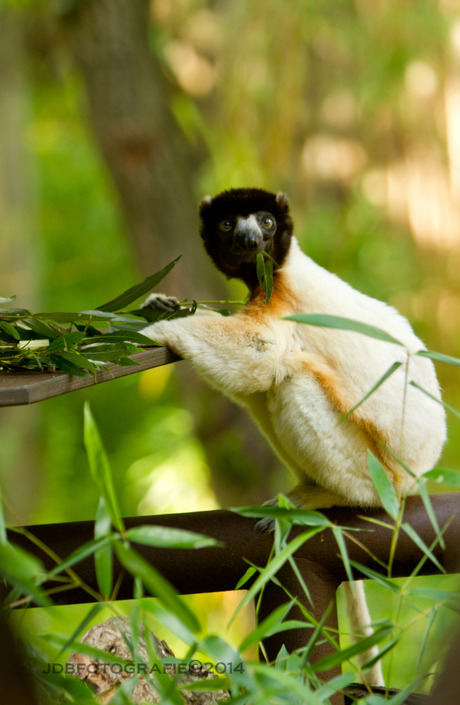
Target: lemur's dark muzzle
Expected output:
[247,236]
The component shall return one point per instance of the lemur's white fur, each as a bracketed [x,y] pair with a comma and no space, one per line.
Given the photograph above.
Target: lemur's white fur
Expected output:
[297,380]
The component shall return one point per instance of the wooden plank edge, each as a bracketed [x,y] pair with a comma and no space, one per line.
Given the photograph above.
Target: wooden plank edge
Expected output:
[18,389]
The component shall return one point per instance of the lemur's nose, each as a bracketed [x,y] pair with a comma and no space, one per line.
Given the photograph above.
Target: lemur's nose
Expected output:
[247,241]
[247,234]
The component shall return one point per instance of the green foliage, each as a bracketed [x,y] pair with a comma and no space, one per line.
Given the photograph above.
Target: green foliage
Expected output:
[383,486]
[292,678]
[327,321]
[48,341]
[272,93]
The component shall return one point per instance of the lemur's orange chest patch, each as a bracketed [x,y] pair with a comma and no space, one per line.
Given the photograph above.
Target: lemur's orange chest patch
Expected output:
[282,301]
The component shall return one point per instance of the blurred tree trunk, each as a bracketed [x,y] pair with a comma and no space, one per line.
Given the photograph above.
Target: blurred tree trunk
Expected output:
[148,157]
[20,467]
[153,168]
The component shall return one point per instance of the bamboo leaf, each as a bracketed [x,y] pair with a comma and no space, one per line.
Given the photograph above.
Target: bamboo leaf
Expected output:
[443,476]
[18,562]
[156,585]
[135,292]
[100,467]
[347,324]
[382,379]
[399,698]
[83,552]
[410,531]
[440,357]
[14,313]
[125,362]
[339,657]
[73,357]
[43,330]
[272,624]
[387,583]
[289,687]
[105,350]
[423,490]
[66,365]
[120,336]
[439,401]
[334,685]
[64,342]
[249,573]
[169,620]
[83,648]
[264,268]
[338,535]
[9,332]
[382,484]
[381,653]
[444,597]
[430,621]
[103,557]
[260,269]
[165,537]
[22,570]
[71,317]
[219,649]
[95,609]
[303,517]
[273,567]
[110,352]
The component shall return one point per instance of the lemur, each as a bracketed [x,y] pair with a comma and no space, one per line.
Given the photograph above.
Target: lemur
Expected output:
[297,381]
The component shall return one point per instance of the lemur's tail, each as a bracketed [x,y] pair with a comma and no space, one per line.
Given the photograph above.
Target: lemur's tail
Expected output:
[360,621]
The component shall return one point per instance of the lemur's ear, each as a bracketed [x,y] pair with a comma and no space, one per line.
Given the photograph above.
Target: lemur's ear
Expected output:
[282,200]
[205,203]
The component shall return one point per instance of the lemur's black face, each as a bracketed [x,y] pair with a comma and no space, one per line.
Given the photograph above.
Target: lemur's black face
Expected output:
[239,224]
[244,237]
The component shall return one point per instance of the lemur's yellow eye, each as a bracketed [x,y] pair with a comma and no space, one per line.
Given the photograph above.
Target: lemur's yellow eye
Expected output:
[267,222]
[225,226]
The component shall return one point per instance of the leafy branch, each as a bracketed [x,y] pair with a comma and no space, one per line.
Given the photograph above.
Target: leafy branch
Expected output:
[81,342]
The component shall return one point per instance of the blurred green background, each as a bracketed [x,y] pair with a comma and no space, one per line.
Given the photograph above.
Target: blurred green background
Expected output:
[118,116]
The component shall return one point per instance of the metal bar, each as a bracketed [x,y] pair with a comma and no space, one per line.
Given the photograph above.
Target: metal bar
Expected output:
[17,388]
[219,568]
[322,588]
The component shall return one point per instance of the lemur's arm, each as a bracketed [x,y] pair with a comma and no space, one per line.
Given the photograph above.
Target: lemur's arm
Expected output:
[237,354]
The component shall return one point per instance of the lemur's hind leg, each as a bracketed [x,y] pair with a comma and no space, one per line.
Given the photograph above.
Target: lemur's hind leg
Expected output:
[306,497]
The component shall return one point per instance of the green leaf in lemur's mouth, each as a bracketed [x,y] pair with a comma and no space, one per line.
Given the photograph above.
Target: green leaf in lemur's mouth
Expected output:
[325,320]
[265,265]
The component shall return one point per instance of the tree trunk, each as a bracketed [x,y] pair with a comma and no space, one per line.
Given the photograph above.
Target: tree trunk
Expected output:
[147,155]
[151,165]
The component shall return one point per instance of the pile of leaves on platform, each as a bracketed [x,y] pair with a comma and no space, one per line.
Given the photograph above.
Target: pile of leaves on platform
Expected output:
[81,342]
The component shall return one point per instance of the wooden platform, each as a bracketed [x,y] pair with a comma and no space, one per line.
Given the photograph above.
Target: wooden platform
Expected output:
[18,388]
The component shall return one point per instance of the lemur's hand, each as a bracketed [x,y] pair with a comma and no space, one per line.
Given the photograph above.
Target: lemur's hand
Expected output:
[162,303]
